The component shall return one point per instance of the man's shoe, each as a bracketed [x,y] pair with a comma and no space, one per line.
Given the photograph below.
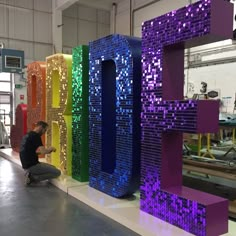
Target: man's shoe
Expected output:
[28,179]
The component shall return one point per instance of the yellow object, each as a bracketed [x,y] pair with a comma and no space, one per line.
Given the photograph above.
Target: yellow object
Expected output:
[55,142]
[208,148]
[233,136]
[199,144]
[59,109]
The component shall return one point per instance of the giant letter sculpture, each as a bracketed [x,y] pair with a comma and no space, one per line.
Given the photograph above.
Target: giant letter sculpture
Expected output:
[114,114]
[20,128]
[80,129]
[163,120]
[59,109]
[36,98]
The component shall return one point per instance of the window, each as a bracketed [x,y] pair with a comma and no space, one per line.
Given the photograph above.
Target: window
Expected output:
[5,77]
[5,86]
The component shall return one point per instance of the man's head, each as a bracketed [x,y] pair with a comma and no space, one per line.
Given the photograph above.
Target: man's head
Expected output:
[41,127]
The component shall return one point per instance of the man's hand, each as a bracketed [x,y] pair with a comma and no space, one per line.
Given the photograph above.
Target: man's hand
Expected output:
[51,149]
[43,150]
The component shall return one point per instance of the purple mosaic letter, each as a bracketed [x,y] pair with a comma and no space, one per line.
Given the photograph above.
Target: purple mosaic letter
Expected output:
[164,116]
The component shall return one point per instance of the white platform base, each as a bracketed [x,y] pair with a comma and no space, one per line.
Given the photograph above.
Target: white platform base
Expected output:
[124,211]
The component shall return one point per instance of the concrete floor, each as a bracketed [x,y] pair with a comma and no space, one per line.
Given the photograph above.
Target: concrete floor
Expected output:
[45,210]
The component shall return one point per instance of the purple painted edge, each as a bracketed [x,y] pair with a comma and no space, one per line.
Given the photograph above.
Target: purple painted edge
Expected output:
[203,198]
[208,116]
[217,218]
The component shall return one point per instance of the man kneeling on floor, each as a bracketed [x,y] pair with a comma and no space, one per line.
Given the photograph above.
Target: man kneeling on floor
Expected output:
[31,147]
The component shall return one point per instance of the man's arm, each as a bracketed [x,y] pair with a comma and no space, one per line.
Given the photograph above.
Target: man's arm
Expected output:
[43,150]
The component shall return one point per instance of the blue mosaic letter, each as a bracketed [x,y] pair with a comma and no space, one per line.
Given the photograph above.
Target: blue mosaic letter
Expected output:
[114,114]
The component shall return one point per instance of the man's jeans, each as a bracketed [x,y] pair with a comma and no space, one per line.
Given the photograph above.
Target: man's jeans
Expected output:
[43,171]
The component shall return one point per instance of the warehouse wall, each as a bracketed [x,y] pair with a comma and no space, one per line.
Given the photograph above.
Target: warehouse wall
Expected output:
[83,24]
[27,25]
[122,23]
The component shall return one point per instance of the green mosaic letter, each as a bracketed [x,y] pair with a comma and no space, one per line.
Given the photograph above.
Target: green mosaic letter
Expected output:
[80,130]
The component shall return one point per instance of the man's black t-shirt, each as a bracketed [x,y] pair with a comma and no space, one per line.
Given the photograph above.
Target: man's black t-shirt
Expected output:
[29,144]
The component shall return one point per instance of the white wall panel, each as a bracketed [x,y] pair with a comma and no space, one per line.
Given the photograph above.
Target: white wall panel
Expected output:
[41,51]
[140,3]
[27,61]
[123,24]
[84,24]
[103,17]
[87,31]
[138,32]
[4,21]
[103,30]
[43,5]
[123,18]
[21,24]
[27,47]
[87,13]
[42,27]
[5,41]
[21,3]
[71,11]
[67,50]
[123,6]
[70,28]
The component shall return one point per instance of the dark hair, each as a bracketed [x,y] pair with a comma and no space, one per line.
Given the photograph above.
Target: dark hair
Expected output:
[43,124]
